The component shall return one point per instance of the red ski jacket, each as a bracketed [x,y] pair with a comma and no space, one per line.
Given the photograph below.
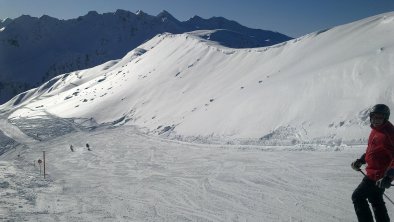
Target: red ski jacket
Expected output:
[380,151]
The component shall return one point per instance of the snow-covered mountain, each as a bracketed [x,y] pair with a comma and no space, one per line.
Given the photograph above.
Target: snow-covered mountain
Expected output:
[4,23]
[314,89]
[33,50]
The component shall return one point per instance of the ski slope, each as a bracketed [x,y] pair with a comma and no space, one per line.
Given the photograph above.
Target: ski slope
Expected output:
[129,176]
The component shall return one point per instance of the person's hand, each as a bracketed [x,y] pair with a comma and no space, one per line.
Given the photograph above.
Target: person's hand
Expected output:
[384,183]
[356,165]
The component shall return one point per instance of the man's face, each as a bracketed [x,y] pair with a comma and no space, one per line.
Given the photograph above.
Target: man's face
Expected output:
[377,119]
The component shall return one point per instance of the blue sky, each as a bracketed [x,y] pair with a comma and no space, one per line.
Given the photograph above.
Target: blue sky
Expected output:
[291,17]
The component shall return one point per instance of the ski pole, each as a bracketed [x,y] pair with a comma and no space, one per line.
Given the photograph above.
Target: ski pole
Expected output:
[366,175]
[383,193]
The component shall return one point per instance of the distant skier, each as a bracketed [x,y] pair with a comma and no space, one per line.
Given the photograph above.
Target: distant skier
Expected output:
[88,147]
[72,148]
[379,158]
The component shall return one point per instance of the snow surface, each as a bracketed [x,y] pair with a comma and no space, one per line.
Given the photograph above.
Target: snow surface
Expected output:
[129,176]
[183,129]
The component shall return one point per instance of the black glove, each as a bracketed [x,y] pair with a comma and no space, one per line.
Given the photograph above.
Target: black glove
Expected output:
[357,164]
[385,182]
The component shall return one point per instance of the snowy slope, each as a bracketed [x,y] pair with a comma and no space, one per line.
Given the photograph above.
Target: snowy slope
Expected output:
[131,177]
[33,50]
[317,88]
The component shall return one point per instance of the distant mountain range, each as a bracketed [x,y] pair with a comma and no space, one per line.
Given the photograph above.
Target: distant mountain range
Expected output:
[34,50]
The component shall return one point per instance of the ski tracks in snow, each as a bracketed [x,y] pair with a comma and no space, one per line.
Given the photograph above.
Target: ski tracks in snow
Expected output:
[132,177]
[20,182]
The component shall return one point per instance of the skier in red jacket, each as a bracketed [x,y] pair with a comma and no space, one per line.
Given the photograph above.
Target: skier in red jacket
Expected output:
[379,158]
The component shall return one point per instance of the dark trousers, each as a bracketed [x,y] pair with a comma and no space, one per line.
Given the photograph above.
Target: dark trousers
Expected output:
[367,190]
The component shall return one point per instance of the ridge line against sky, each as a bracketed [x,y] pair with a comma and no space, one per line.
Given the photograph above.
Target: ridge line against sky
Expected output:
[293,18]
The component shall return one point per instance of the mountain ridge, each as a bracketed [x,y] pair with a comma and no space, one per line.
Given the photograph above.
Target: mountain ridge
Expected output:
[314,89]
[37,49]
